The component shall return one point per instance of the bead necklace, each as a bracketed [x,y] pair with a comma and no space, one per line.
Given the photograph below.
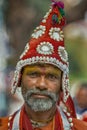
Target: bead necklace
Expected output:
[40,123]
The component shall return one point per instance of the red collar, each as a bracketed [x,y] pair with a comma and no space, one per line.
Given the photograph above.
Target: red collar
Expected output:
[24,120]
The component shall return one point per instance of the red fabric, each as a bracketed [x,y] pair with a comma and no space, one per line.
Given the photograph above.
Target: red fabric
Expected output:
[24,121]
[85,117]
[58,121]
[11,121]
[70,106]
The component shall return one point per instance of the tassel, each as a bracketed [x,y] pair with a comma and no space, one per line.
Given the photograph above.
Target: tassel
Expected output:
[57,18]
[58,4]
[62,12]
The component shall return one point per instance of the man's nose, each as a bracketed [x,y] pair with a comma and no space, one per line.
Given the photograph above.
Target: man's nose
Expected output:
[42,83]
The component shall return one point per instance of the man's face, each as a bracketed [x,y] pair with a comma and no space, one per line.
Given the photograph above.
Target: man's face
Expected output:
[41,86]
[82,97]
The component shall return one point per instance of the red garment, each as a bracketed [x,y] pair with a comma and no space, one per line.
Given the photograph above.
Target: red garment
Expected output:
[26,125]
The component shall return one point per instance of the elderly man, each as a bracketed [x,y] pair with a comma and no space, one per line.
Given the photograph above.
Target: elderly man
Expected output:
[80,100]
[42,74]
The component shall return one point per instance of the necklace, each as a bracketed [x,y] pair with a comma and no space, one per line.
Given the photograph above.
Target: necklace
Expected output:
[40,123]
[36,124]
[50,126]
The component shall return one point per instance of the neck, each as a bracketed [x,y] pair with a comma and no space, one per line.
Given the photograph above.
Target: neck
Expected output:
[44,117]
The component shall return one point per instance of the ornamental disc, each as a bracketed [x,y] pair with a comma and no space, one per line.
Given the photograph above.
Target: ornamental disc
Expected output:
[39,31]
[63,53]
[45,48]
[56,34]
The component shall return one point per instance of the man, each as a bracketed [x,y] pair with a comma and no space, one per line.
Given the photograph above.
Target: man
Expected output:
[80,100]
[42,74]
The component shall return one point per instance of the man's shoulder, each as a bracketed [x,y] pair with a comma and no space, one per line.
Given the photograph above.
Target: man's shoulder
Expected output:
[4,123]
[79,125]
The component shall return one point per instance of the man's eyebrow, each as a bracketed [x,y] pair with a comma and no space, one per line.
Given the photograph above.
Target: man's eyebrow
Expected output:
[56,73]
[30,70]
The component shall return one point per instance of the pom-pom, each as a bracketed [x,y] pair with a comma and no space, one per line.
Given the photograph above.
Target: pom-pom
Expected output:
[58,4]
[58,16]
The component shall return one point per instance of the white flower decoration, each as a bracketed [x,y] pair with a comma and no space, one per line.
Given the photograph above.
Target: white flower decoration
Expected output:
[56,34]
[25,50]
[63,53]
[39,31]
[45,48]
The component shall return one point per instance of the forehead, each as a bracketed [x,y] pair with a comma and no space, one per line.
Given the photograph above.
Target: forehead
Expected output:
[44,67]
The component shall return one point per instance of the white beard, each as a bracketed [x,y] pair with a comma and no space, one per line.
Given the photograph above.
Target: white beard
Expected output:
[40,104]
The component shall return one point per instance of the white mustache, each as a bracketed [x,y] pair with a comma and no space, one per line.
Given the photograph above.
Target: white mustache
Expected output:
[36,91]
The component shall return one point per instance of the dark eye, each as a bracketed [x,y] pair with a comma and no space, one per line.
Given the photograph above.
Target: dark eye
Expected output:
[52,77]
[33,74]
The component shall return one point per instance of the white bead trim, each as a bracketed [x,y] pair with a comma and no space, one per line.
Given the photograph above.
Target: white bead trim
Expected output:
[46,16]
[49,60]
[25,50]
[70,120]
[9,119]
[67,113]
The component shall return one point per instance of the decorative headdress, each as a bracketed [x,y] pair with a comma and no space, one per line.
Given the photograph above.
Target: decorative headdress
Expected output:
[47,46]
